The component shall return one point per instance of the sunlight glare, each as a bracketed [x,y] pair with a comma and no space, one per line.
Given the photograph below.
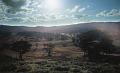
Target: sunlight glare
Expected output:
[52,4]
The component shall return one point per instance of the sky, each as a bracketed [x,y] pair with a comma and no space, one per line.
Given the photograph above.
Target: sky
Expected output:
[57,12]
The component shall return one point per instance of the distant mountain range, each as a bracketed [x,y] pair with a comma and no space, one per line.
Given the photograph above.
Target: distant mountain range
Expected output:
[106,26]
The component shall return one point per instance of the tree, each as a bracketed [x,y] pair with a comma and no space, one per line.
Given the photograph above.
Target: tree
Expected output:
[5,36]
[49,48]
[93,43]
[21,47]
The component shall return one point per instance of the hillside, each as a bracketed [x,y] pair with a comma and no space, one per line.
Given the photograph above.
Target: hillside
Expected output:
[64,29]
[110,28]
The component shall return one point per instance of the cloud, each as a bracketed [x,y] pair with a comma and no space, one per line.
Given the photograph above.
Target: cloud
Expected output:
[14,9]
[14,3]
[81,10]
[105,13]
[78,16]
[34,12]
[11,6]
[114,12]
[76,9]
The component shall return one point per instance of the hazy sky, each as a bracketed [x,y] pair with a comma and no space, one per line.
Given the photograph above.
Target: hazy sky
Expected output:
[57,12]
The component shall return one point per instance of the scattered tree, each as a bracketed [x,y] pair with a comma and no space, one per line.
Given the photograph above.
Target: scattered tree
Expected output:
[21,47]
[49,48]
[94,43]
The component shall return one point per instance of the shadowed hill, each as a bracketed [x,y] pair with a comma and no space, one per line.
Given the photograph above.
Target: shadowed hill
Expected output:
[64,29]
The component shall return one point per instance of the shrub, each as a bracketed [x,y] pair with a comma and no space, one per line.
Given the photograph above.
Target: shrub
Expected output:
[62,68]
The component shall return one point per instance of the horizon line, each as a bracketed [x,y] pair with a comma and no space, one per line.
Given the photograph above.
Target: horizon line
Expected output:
[61,25]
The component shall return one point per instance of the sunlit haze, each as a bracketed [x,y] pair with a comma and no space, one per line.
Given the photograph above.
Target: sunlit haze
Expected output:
[52,4]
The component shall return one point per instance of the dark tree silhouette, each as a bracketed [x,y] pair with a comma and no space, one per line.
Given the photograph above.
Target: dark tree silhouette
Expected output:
[5,36]
[21,47]
[94,43]
[49,48]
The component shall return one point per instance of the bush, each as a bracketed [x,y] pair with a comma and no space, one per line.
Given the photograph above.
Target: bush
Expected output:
[75,70]
[24,68]
[8,68]
[42,71]
[62,68]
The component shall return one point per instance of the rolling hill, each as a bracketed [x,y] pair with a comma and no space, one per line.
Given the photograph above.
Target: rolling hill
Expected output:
[108,26]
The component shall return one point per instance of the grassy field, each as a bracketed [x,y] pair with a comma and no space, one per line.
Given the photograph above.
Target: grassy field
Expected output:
[66,58]
[59,65]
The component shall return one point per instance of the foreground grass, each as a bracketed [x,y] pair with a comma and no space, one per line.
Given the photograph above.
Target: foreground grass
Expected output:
[52,65]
